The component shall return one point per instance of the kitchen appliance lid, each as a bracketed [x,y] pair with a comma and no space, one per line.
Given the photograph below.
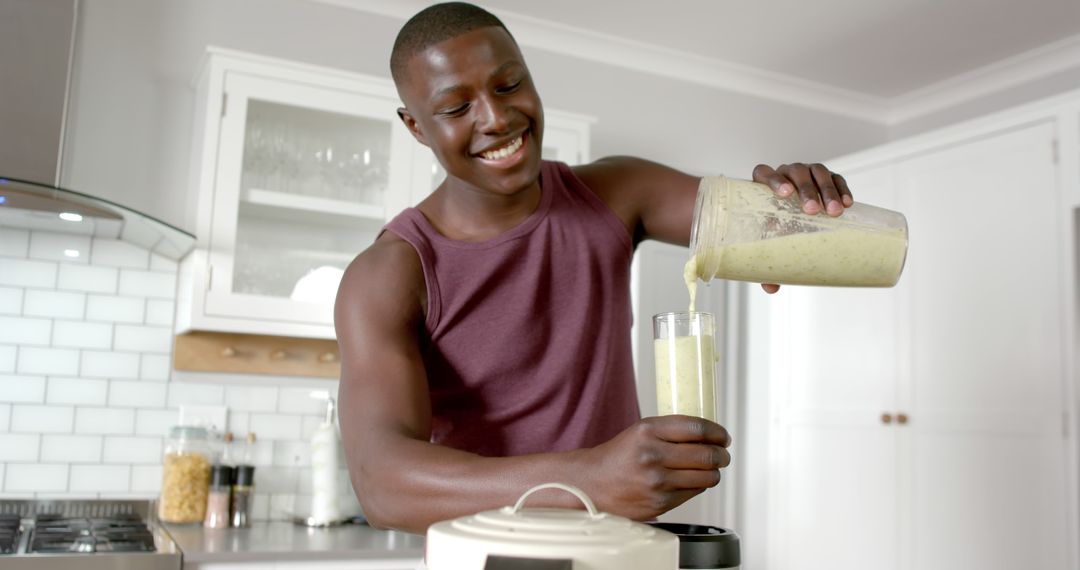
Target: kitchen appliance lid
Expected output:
[517,524]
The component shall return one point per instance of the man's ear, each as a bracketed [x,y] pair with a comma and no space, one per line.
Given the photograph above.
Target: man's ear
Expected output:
[410,123]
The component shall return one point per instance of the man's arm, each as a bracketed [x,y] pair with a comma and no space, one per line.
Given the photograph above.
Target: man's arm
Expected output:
[405,482]
[657,202]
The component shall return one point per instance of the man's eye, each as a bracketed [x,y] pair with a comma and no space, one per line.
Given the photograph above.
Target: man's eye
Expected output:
[457,110]
[509,88]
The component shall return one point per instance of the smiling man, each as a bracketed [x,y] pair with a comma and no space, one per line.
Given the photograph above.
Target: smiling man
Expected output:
[485,334]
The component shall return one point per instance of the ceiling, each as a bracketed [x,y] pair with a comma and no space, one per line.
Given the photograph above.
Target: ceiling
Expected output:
[882,48]
[879,60]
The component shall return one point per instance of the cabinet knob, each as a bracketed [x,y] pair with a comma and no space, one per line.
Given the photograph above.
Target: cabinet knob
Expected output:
[901,418]
[228,352]
[886,418]
[278,354]
[328,357]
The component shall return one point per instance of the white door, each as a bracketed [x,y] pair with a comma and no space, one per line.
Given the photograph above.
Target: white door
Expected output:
[987,459]
[834,375]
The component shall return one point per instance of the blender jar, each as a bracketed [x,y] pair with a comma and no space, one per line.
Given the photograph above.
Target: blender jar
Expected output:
[743,231]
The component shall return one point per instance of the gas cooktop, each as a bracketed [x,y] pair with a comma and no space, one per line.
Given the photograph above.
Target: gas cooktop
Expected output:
[88,535]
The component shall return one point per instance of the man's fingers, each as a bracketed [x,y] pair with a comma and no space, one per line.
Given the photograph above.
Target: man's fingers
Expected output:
[688,429]
[804,183]
[691,479]
[830,196]
[842,187]
[695,456]
[765,174]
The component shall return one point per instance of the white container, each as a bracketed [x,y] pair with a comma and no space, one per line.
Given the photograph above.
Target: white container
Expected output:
[324,468]
[591,539]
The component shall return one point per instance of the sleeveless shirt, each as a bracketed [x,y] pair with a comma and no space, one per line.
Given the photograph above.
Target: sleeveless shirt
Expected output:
[528,345]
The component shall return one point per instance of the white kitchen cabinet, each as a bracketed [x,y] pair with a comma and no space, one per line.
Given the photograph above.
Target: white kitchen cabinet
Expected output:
[298,168]
[927,426]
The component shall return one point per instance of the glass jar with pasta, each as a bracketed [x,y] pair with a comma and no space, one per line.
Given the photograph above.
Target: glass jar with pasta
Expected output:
[185,481]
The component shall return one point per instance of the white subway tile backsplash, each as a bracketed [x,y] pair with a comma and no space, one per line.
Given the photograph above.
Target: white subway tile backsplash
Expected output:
[115,253]
[137,338]
[7,359]
[275,426]
[106,421]
[262,453]
[282,506]
[276,479]
[292,454]
[28,418]
[71,448]
[28,273]
[100,364]
[251,398]
[136,394]
[100,478]
[159,312]
[237,423]
[156,367]
[5,418]
[14,242]
[115,309]
[130,450]
[48,361]
[79,334]
[190,394]
[299,401]
[155,422]
[260,506]
[11,299]
[153,284]
[40,303]
[159,263]
[90,279]
[19,447]
[25,331]
[146,478]
[69,248]
[22,389]
[79,391]
[41,478]
[309,425]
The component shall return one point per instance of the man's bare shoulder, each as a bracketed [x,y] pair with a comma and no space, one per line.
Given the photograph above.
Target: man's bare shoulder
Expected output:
[388,274]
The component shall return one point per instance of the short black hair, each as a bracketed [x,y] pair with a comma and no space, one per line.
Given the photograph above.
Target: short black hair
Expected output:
[434,24]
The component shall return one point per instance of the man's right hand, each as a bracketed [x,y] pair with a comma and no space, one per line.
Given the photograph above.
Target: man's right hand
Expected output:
[659,463]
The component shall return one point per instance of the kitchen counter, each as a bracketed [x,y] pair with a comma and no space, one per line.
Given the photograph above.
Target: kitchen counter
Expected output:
[280,541]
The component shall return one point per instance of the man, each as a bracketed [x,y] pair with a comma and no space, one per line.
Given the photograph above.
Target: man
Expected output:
[485,335]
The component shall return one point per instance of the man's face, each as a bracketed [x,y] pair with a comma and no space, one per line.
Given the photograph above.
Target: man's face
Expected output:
[472,101]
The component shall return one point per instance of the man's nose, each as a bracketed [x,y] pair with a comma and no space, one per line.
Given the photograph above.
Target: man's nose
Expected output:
[493,115]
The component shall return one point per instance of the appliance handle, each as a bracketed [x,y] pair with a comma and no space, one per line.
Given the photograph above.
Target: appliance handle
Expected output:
[568,488]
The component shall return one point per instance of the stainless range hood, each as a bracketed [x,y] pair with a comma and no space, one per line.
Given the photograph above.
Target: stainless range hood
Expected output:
[32,206]
[39,37]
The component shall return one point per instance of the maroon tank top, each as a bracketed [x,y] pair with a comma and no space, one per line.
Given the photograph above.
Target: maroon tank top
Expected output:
[528,346]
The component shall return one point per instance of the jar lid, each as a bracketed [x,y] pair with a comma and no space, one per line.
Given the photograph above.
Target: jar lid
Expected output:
[221,475]
[188,432]
[245,475]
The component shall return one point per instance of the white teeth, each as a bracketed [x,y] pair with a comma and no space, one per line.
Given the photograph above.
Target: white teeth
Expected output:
[504,151]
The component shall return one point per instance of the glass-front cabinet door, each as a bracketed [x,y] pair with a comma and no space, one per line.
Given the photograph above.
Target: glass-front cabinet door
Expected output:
[306,178]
